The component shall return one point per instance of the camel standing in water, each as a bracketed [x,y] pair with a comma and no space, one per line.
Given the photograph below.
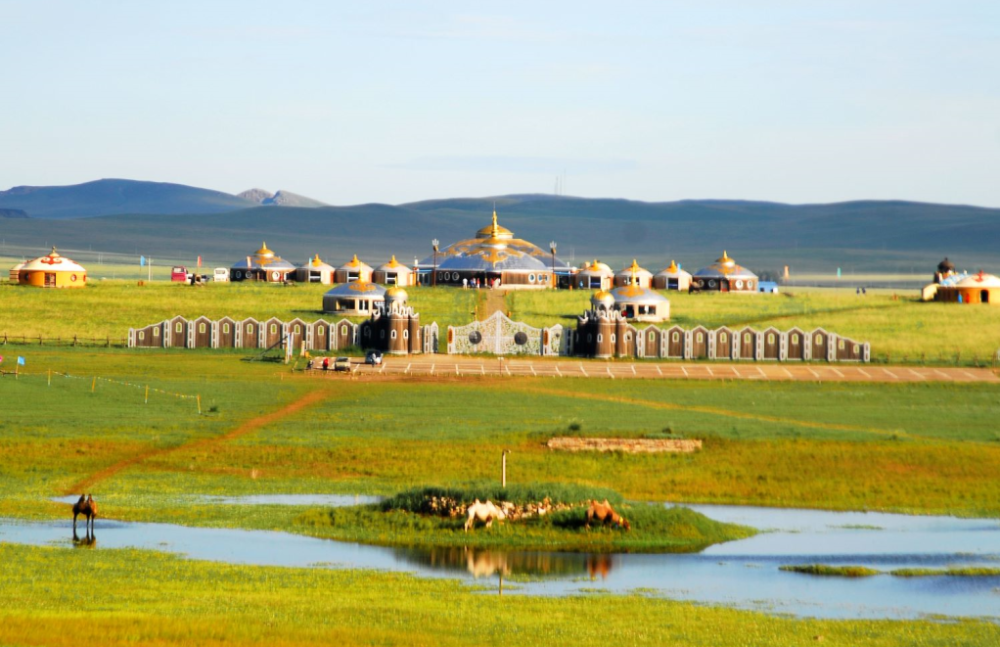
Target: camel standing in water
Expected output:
[88,508]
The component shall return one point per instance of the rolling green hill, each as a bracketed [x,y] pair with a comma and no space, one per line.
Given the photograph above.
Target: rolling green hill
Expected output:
[865,236]
[108,197]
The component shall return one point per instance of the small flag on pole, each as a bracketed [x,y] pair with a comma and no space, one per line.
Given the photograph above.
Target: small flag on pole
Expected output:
[20,361]
[199,261]
[142,261]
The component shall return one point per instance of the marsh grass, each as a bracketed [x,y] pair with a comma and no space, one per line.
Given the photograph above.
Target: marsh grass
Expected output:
[863,571]
[831,571]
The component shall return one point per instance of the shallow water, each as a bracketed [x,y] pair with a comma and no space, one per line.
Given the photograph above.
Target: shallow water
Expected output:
[742,573]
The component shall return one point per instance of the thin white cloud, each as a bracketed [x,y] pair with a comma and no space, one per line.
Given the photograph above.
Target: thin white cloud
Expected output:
[514,164]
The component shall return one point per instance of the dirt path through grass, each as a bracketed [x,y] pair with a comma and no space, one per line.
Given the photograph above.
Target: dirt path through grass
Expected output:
[245,428]
[490,301]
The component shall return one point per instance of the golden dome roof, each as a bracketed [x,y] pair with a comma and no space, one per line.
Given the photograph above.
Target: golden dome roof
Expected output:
[494,230]
[316,262]
[725,260]
[673,267]
[603,295]
[264,252]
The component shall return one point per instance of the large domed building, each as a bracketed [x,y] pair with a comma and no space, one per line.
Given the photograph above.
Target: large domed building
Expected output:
[724,275]
[262,265]
[493,254]
[52,271]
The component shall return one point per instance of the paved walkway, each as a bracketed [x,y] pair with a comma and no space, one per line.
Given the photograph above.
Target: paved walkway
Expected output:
[445,366]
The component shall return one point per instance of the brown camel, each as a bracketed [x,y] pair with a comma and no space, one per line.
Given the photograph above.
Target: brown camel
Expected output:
[604,513]
[88,508]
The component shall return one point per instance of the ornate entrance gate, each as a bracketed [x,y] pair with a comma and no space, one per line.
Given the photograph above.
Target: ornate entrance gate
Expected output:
[498,335]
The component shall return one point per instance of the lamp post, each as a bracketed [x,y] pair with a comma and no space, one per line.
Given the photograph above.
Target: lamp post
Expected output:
[552,246]
[434,275]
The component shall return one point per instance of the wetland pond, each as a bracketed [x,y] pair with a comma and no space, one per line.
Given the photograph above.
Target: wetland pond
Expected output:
[743,574]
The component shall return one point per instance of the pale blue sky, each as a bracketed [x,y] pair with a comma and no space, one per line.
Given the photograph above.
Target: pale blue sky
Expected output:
[348,102]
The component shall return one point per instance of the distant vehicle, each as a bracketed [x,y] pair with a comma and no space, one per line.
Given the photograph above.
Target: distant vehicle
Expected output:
[221,275]
[373,357]
[767,286]
[179,273]
[342,364]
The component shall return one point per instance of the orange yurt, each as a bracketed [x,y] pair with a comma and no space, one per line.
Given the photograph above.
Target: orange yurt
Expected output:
[53,271]
[976,288]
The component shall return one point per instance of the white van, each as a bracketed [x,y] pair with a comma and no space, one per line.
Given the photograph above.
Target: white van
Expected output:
[221,275]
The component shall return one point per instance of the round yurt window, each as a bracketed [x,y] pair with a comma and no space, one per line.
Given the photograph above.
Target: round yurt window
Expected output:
[739,284]
[712,283]
[531,278]
[475,337]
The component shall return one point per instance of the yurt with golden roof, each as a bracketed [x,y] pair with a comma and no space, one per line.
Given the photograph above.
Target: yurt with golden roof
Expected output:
[353,270]
[262,265]
[315,271]
[634,275]
[52,271]
[672,278]
[724,275]
[594,276]
[393,273]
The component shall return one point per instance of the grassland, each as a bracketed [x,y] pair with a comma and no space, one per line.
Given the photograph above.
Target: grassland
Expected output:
[56,596]
[914,447]
[265,430]
[900,328]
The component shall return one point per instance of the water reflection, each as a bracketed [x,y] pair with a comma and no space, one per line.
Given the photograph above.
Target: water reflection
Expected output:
[482,562]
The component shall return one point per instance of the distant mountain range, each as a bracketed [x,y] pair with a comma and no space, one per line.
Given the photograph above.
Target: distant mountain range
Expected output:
[112,197]
[280,199]
[873,236]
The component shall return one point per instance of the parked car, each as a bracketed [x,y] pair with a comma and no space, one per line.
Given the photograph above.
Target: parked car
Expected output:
[342,364]
[221,275]
[373,357]
[179,274]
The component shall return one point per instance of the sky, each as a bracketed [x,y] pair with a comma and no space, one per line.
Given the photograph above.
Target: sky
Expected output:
[799,101]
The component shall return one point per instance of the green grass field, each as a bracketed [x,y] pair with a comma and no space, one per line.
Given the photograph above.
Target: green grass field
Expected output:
[265,429]
[899,328]
[55,596]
